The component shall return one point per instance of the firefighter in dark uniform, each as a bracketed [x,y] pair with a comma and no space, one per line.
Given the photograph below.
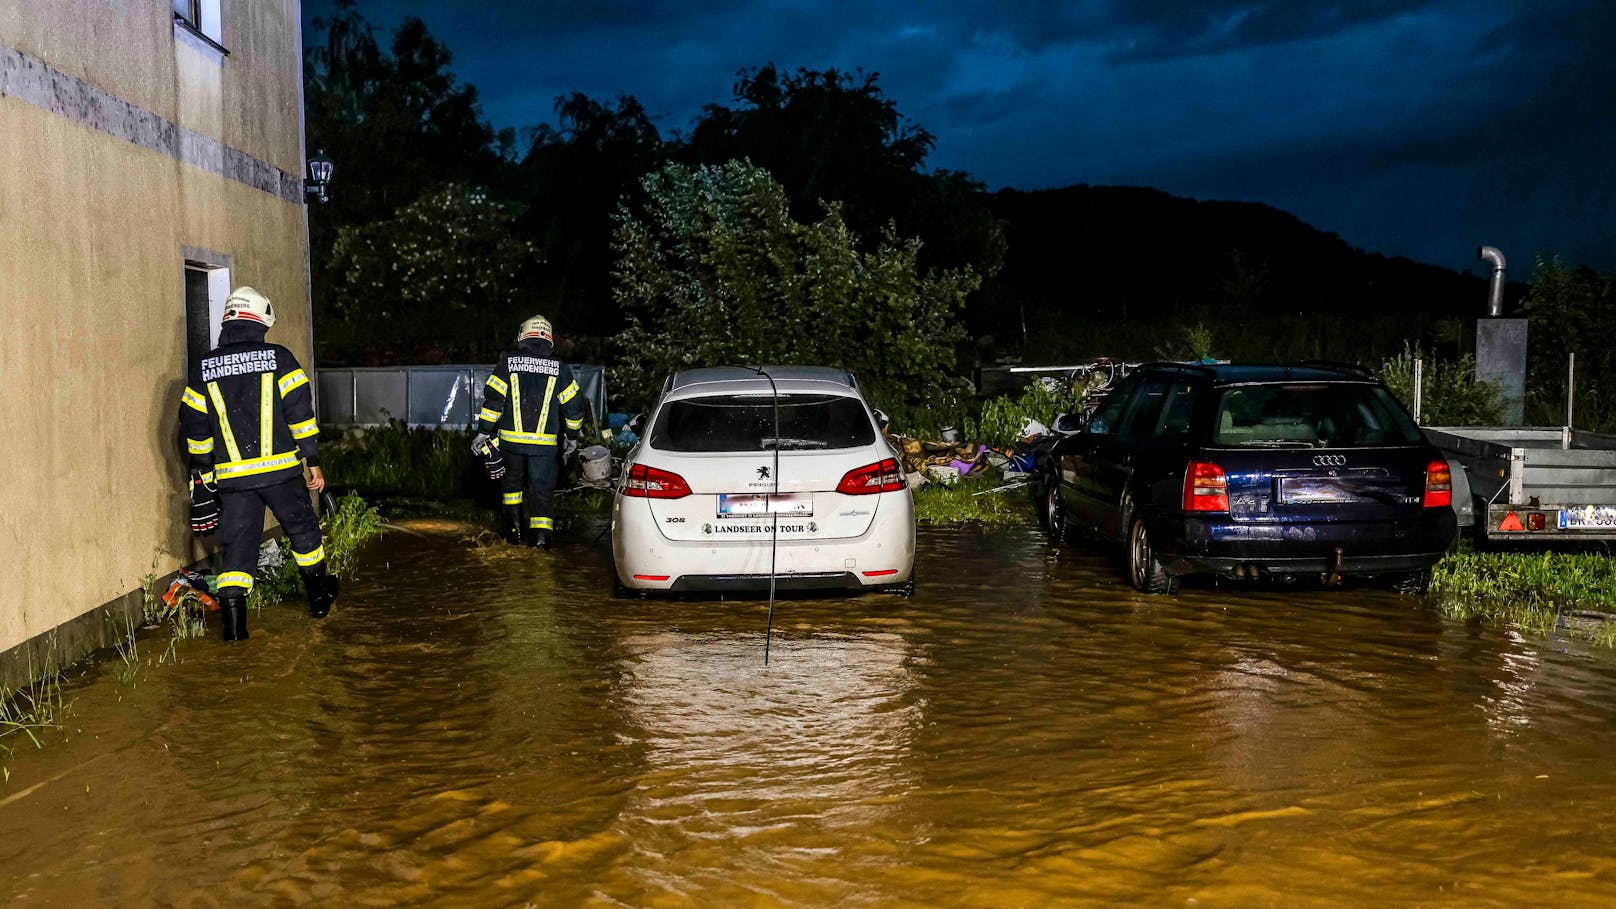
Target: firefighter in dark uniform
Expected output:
[248,418]
[528,398]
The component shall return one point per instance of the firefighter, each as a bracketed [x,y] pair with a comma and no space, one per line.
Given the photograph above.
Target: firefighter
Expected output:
[528,398]
[248,418]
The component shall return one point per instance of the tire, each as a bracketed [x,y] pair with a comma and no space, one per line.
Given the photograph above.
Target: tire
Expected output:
[1054,511]
[1413,584]
[1144,569]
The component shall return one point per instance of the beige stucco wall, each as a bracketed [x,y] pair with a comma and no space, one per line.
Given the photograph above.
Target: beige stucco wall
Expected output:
[92,333]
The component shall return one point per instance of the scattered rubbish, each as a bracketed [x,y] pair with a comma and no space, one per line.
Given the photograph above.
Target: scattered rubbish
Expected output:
[270,555]
[189,584]
[595,463]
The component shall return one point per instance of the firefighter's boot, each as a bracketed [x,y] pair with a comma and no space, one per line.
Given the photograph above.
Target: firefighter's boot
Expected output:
[233,613]
[321,587]
[538,538]
[513,525]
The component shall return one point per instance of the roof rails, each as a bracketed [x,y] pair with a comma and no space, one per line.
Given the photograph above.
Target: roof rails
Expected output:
[1202,368]
[1337,364]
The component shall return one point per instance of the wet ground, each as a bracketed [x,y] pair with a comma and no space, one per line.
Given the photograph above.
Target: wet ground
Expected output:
[481,726]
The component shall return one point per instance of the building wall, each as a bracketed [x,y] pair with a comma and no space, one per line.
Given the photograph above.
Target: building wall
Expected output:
[125,146]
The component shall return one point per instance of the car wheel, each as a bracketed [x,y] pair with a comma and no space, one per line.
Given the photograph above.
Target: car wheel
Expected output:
[1144,569]
[1413,584]
[1054,510]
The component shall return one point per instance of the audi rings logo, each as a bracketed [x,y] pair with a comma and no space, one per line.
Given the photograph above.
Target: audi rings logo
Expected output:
[1329,460]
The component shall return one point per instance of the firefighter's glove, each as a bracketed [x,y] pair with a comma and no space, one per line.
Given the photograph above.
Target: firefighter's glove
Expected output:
[488,450]
[568,448]
[204,505]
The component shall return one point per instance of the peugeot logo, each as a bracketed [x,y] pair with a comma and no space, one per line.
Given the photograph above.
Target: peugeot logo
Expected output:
[763,473]
[1329,460]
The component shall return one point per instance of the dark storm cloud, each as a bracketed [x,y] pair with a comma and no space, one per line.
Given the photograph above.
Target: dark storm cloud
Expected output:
[1409,126]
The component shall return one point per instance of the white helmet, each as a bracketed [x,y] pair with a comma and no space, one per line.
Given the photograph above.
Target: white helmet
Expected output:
[536,327]
[249,305]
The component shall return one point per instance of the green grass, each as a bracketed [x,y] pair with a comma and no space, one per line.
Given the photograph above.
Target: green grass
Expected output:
[346,530]
[1534,592]
[961,504]
[396,461]
[29,711]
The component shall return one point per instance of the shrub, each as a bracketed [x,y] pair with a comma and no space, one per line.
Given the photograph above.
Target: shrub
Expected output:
[1451,394]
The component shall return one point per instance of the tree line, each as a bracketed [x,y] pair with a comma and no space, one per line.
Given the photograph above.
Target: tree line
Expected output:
[804,202]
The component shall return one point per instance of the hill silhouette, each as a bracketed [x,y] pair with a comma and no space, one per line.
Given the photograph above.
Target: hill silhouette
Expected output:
[1123,254]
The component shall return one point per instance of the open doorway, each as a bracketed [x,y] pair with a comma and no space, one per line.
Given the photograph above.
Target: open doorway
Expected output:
[206,288]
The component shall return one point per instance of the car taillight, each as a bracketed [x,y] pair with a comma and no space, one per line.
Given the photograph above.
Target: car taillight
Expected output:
[871,478]
[1438,485]
[650,483]
[1205,487]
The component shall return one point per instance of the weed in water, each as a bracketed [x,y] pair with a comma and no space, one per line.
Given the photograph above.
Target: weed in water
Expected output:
[975,500]
[1527,590]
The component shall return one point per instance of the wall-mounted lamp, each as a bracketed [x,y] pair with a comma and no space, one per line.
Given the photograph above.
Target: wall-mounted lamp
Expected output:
[316,187]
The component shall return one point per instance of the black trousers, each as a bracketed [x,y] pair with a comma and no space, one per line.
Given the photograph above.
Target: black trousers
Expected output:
[241,529]
[529,481]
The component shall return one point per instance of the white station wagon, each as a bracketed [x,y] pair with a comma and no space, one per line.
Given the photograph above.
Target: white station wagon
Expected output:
[736,477]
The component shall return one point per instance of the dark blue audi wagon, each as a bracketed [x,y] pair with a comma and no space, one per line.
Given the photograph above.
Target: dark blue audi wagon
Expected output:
[1284,472]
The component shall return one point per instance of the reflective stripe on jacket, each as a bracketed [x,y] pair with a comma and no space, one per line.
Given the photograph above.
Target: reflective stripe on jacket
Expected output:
[527,401]
[247,413]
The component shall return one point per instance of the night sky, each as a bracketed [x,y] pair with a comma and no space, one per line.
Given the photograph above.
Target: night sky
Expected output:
[1407,127]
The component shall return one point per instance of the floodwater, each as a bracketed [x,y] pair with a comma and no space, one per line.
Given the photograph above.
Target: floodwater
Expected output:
[483,726]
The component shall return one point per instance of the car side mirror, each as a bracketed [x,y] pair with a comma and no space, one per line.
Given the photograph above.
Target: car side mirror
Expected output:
[881,418]
[1069,423]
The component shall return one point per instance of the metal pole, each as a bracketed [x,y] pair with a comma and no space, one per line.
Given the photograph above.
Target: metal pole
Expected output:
[1571,386]
[1419,383]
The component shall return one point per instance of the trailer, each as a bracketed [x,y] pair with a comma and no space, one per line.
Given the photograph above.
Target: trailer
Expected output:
[1542,483]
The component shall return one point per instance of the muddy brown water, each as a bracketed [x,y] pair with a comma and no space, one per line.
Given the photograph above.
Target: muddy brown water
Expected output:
[488,727]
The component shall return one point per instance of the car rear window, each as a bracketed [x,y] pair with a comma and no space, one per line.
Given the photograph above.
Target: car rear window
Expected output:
[746,423]
[1334,415]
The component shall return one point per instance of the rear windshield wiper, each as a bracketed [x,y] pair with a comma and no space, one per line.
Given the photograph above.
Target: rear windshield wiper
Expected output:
[782,443]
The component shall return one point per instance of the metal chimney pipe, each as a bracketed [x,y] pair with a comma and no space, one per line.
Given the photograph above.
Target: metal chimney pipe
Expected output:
[1495,291]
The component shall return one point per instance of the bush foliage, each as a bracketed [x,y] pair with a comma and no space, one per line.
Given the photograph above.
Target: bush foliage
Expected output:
[713,270]
[1451,394]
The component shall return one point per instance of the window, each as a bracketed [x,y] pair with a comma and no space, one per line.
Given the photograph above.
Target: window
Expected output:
[1175,421]
[1104,421]
[808,422]
[1140,420]
[1330,414]
[202,17]
[206,288]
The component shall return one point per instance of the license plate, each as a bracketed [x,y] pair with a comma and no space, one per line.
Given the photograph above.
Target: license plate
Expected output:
[1588,517]
[751,505]
[1312,491]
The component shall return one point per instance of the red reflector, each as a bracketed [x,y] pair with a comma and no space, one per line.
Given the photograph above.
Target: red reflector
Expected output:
[1438,485]
[650,577]
[1510,522]
[884,476]
[880,574]
[651,483]
[1205,487]
[1535,521]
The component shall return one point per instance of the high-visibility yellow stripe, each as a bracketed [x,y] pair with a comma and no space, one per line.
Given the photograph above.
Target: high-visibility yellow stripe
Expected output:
[576,424]
[207,477]
[498,384]
[491,416]
[194,400]
[541,523]
[527,438]
[305,429]
[234,579]
[513,498]
[254,466]
[292,380]
[568,393]
[516,404]
[544,411]
[266,415]
[309,559]
[199,446]
[224,422]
